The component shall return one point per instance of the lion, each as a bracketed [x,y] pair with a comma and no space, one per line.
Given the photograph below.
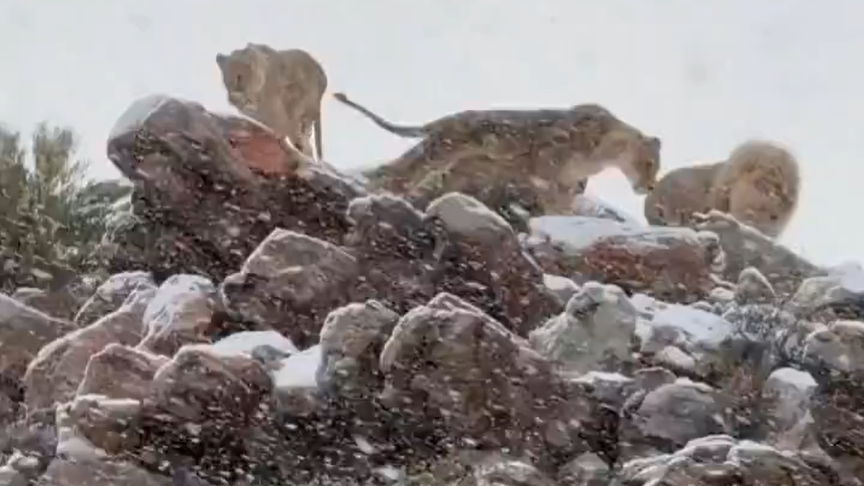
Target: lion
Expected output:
[540,157]
[758,185]
[281,89]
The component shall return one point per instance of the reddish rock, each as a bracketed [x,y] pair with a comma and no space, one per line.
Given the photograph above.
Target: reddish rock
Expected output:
[211,187]
[674,264]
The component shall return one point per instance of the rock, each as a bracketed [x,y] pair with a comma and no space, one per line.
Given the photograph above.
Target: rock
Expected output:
[211,187]
[109,296]
[248,342]
[670,416]
[839,346]
[9,476]
[608,388]
[482,261]
[476,468]
[500,471]
[59,304]
[119,371]
[715,460]
[198,386]
[295,382]
[594,332]
[746,247]
[585,470]
[787,393]
[93,427]
[461,247]
[351,339]
[720,295]
[180,313]
[649,379]
[831,354]
[671,263]
[839,295]
[23,332]
[290,283]
[469,218]
[395,251]
[561,287]
[491,388]
[698,334]
[63,472]
[55,374]
[754,288]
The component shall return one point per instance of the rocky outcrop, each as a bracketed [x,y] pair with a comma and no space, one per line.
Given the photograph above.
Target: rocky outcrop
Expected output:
[270,322]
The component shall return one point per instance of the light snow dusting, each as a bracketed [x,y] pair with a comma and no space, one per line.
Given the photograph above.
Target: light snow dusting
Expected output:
[245,342]
[299,370]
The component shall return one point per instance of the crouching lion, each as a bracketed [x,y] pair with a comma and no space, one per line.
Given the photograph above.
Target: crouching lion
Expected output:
[758,185]
[539,159]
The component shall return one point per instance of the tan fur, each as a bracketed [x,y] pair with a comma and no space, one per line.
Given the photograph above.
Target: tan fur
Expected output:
[281,89]
[758,185]
[542,155]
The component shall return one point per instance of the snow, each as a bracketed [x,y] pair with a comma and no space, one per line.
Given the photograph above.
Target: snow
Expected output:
[299,370]
[172,295]
[245,342]
[674,356]
[558,283]
[701,327]
[578,232]
[590,205]
[137,114]
[465,215]
[684,381]
[10,309]
[801,380]
[77,447]
[593,376]
[364,445]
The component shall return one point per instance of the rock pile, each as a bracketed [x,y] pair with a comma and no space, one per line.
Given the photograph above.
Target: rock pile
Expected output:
[270,322]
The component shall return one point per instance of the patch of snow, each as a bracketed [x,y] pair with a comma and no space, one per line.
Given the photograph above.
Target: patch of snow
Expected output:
[137,113]
[674,356]
[749,448]
[245,342]
[10,309]
[577,232]
[589,204]
[364,445]
[391,473]
[801,380]
[558,283]
[701,327]
[170,297]
[299,370]
[695,384]
[593,376]
[721,295]
[77,447]
[465,215]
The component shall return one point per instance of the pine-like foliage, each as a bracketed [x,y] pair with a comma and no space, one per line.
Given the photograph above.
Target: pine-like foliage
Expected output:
[52,217]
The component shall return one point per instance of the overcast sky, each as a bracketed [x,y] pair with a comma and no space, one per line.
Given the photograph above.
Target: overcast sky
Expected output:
[701,75]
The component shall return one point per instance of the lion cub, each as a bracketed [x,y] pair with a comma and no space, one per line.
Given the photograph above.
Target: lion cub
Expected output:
[281,89]
[758,185]
[540,157]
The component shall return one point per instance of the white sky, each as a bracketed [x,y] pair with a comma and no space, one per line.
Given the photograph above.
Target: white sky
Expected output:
[701,75]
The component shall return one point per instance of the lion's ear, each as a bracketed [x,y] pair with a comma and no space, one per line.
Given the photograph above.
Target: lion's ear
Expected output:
[221,59]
